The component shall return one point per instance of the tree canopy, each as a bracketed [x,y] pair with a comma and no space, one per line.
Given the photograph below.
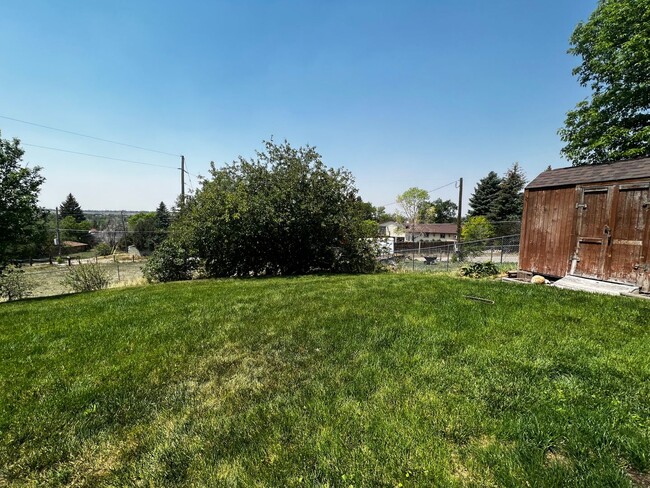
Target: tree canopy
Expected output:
[477,228]
[438,211]
[282,212]
[143,230]
[614,123]
[410,202]
[21,220]
[71,208]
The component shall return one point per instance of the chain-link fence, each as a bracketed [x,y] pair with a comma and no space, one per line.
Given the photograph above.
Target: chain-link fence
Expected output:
[448,256]
[48,279]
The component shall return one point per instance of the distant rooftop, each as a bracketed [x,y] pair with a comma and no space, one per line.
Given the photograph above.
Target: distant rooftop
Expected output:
[433,228]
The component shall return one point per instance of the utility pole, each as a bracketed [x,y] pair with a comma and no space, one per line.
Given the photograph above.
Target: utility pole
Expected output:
[57,241]
[123,236]
[459,226]
[182,180]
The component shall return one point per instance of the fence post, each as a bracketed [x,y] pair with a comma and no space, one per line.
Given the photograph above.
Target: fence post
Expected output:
[501,249]
[448,258]
[413,260]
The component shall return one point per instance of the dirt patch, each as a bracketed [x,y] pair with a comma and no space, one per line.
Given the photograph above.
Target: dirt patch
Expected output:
[640,480]
[553,457]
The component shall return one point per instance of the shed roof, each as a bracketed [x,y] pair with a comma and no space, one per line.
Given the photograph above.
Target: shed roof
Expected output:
[620,170]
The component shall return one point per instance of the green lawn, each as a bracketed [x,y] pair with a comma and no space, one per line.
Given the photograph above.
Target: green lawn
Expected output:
[384,380]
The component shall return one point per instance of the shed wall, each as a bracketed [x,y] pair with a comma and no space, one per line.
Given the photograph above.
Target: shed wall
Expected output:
[548,234]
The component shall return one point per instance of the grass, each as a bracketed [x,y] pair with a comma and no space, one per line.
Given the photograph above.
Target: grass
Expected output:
[384,380]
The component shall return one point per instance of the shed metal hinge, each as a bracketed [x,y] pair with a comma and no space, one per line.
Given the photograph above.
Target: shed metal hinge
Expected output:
[646,204]
[581,205]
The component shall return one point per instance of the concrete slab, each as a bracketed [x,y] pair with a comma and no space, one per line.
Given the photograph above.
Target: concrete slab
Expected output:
[571,282]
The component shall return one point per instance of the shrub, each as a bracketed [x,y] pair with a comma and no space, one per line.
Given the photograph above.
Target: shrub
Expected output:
[14,285]
[479,270]
[103,249]
[283,212]
[170,262]
[86,277]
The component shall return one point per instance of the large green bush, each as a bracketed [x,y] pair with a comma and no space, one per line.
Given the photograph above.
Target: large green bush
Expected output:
[282,213]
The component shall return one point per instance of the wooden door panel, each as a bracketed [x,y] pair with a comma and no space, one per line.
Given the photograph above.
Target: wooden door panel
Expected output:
[594,214]
[591,240]
[625,251]
[590,258]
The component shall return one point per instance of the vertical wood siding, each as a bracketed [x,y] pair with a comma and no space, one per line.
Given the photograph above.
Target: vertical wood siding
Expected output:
[628,234]
[547,233]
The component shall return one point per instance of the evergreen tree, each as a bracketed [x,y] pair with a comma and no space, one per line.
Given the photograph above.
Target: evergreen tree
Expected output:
[483,200]
[163,218]
[70,207]
[509,203]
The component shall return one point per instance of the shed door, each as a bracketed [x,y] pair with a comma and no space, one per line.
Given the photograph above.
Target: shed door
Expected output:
[593,232]
[612,233]
[625,260]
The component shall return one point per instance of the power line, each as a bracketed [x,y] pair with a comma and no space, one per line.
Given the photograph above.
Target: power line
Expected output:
[428,191]
[89,137]
[98,156]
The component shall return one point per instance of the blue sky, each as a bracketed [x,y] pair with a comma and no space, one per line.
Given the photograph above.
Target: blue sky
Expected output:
[410,93]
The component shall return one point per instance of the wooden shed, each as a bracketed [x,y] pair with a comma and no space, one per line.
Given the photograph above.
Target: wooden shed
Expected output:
[589,221]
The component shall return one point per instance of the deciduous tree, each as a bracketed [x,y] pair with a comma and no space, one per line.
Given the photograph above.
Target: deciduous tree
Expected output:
[411,201]
[438,211]
[22,222]
[477,228]
[614,123]
[143,231]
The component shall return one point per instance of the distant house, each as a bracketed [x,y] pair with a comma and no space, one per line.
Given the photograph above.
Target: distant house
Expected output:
[431,232]
[392,229]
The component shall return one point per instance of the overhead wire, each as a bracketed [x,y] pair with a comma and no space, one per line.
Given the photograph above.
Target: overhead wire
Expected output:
[428,191]
[98,156]
[89,136]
